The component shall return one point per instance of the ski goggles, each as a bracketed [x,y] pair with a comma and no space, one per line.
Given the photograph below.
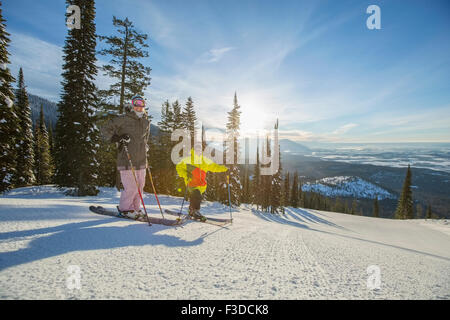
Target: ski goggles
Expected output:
[138,103]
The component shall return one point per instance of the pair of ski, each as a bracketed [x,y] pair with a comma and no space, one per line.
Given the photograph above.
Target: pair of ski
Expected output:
[181,218]
[209,220]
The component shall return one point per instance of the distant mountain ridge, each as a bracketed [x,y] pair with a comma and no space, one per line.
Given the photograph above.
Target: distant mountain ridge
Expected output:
[50,109]
[348,186]
[290,146]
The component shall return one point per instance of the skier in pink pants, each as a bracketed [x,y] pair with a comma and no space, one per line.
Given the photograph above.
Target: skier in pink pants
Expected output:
[131,130]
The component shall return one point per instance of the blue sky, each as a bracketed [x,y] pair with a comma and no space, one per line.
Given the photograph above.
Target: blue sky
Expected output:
[313,64]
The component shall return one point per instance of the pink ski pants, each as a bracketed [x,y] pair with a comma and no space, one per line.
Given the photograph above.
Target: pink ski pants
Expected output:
[129,197]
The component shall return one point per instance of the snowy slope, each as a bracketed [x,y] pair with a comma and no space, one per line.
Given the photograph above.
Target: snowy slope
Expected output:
[305,254]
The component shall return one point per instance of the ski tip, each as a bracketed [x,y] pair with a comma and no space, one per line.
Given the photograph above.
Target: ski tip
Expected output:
[93,208]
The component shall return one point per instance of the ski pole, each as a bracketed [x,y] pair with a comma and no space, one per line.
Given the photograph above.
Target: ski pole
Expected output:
[229,196]
[137,184]
[154,190]
[182,203]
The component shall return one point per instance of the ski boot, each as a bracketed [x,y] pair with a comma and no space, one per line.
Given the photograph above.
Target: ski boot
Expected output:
[195,214]
[141,214]
[131,214]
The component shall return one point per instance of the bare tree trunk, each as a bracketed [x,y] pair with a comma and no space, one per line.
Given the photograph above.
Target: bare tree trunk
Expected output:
[122,88]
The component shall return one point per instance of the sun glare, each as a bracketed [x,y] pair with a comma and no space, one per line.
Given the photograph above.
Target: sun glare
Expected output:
[253,120]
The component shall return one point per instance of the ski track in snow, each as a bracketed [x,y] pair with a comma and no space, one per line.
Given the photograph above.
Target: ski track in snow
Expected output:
[303,254]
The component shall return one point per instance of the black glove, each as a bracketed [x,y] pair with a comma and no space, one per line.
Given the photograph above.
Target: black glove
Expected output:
[123,139]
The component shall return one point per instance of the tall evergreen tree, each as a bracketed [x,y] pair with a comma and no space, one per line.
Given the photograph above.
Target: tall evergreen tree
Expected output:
[126,50]
[51,143]
[189,119]
[25,154]
[77,136]
[277,192]
[294,191]
[276,205]
[50,138]
[286,190]
[266,180]
[9,122]
[43,164]
[256,194]
[164,171]
[405,203]
[36,150]
[301,195]
[177,121]
[246,198]
[233,126]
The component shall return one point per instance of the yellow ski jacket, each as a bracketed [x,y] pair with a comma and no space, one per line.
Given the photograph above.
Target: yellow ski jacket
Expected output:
[193,169]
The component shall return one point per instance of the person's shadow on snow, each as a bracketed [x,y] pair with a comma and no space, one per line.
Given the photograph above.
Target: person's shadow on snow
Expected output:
[83,236]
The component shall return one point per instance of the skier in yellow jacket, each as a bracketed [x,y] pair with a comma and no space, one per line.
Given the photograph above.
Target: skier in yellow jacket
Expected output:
[193,169]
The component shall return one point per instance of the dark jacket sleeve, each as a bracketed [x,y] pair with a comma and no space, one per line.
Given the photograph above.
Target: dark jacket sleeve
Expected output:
[147,136]
[110,128]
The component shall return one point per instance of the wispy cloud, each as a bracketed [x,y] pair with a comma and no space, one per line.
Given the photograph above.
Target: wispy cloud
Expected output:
[41,62]
[215,55]
[344,129]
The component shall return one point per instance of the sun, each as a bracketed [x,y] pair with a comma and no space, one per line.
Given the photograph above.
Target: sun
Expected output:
[253,119]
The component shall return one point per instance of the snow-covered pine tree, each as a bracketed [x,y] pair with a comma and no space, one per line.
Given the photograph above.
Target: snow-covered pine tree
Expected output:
[233,126]
[132,76]
[189,118]
[266,180]
[405,203]
[176,183]
[43,164]
[171,119]
[256,192]
[277,180]
[177,121]
[9,122]
[165,124]
[51,141]
[77,136]
[246,183]
[25,153]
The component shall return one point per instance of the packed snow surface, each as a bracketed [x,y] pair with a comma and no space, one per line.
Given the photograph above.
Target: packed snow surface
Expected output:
[53,247]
